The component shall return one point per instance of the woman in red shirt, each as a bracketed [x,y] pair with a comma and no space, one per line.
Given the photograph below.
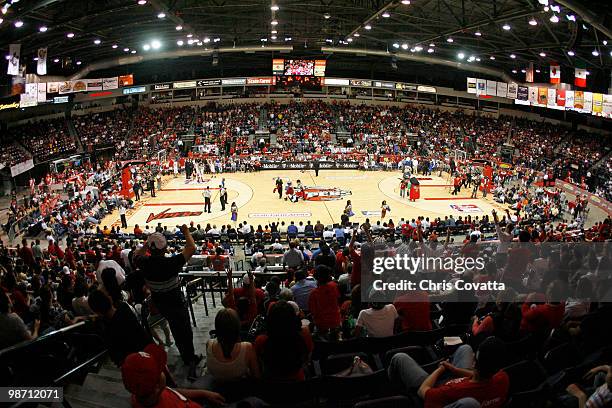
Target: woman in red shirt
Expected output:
[323,301]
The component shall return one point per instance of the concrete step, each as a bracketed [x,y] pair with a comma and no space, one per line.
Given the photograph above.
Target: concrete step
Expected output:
[101,397]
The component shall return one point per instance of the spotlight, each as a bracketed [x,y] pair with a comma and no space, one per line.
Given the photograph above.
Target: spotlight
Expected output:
[369,27]
[492,57]
[595,53]
[78,62]
[461,55]
[97,41]
[396,45]
[406,2]
[179,27]
[523,71]
[514,71]
[386,14]
[571,53]
[327,16]
[206,40]
[180,43]
[287,38]
[43,29]
[115,46]
[512,56]
[432,44]
[56,60]
[506,27]
[274,8]
[161,15]
[430,50]
[478,34]
[70,35]
[418,48]
[537,71]
[533,22]
[273,32]
[570,17]
[449,39]
[542,54]
[274,22]
[155,44]
[133,52]
[350,40]
[554,18]
[18,23]
[273,37]
[142,2]
[216,40]
[404,46]
[146,47]
[126,50]
[356,35]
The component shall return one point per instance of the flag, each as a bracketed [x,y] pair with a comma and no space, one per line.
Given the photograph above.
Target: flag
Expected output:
[13,59]
[561,97]
[529,73]
[580,77]
[41,65]
[555,74]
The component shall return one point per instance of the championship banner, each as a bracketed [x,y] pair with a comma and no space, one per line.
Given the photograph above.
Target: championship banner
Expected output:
[110,83]
[13,59]
[529,73]
[502,89]
[512,90]
[41,64]
[607,106]
[42,92]
[551,97]
[533,95]
[569,99]
[597,103]
[588,101]
[481,87]
[471,85]
[53,87]
[29,98]
[18,84]
[543,96]
[580,77]
[579,100]
[491,88]
[561,97]
[555,74]
[94,84]
[22,167]
[522,93]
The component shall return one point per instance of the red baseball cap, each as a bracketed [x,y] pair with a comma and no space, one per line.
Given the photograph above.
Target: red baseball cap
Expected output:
[141,370]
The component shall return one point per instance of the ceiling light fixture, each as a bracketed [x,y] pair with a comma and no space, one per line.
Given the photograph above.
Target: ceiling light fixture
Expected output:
[42,29]
[356,35]
[273,37]
[327,16]
[133,52]
[70,35]
[274,8]
[461,55]
[595,53]
[396,45]
[206,40]
[126,50]
[430,50]
[570,17]
[115,46]
[56,60]
[161,15]
[478,34]
[449,39]
[386,14]
[369,27]
[512,56]
[146,47]
[142,2]
[542,54]
[178,27]
[554,18]
[216,40]
[273,32]
[404,46]
[180,43]
[78,62]
[406,2]
[97,41]
[155,44]
[533,22]
[274,22]
[287,38]
[571,53]
[18,23]
[514,71]
[492,58]
[506,27]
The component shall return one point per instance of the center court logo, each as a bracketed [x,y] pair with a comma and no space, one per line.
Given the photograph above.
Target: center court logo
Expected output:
[165,214]
[324,194]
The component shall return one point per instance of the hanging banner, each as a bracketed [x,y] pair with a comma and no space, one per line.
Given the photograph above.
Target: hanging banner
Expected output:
[126,80]
[551,97]
[607,106]
[560,97]
[110,83]
[13,59]
[491,88]
[597,103]
[569,99]
[53,87]
[502,89]
[18,84]
[471,85]
[512,90]
[579,100]
[543,96]
[42,92]
[533,95]
[94,84]
[555,74]
[481,87]
[588,101]
[41,64]
[529,73]
[522,93]
[29,98]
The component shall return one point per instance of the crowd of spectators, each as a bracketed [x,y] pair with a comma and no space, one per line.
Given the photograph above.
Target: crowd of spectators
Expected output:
[103,129]
[45,139]
[11,154]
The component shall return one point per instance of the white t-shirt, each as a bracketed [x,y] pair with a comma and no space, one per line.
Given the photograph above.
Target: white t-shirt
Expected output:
[119,272]
[378,323]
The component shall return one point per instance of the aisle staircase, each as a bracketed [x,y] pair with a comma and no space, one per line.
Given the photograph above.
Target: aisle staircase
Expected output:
[74,134]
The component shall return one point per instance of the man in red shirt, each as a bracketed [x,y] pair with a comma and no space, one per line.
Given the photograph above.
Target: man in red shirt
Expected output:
[26,253]
[246,300]
[144,376]
[413,308]
[467,378]
[541,318]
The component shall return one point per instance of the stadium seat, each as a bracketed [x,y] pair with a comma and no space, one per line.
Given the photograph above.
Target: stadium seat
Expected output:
[398,401]
[528,385]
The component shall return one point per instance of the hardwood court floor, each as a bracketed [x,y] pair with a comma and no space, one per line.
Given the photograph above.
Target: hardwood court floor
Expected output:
[181,202]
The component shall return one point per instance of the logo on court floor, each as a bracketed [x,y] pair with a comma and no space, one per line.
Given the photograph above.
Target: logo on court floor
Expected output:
[467,208]
[165,214]
[324,194]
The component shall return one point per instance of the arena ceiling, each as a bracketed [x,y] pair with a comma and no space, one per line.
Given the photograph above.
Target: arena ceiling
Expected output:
[504,35]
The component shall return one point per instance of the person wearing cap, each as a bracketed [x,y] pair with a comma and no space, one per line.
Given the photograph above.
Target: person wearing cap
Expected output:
[477,376]
[161,274]
[144,377]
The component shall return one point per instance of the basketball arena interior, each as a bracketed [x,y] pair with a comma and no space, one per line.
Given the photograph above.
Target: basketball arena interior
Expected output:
[306,203]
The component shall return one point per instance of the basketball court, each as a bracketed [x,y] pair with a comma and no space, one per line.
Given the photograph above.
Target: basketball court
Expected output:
[181,201]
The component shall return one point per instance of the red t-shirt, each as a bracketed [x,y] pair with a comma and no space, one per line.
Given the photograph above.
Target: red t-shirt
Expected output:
[169,399]
[541,317]
[253,307]
[323,304]
[260,343]
[491,393]
[413,308]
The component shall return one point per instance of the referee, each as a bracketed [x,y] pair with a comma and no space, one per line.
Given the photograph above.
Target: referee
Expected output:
[161,274]
[206,195]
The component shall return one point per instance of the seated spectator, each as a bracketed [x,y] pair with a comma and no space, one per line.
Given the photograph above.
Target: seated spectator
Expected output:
[414,310]
[228,358]
[123,332]
[293,258]
[284,349]
[503,322]
[378,320]
[80,307]
[302,288]
[597,396]
[538,318]
[466,376]
[246,300]
[12,329]
[144,376]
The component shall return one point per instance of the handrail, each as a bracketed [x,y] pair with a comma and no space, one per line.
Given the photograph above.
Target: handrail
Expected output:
[81,366]
[42,338]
